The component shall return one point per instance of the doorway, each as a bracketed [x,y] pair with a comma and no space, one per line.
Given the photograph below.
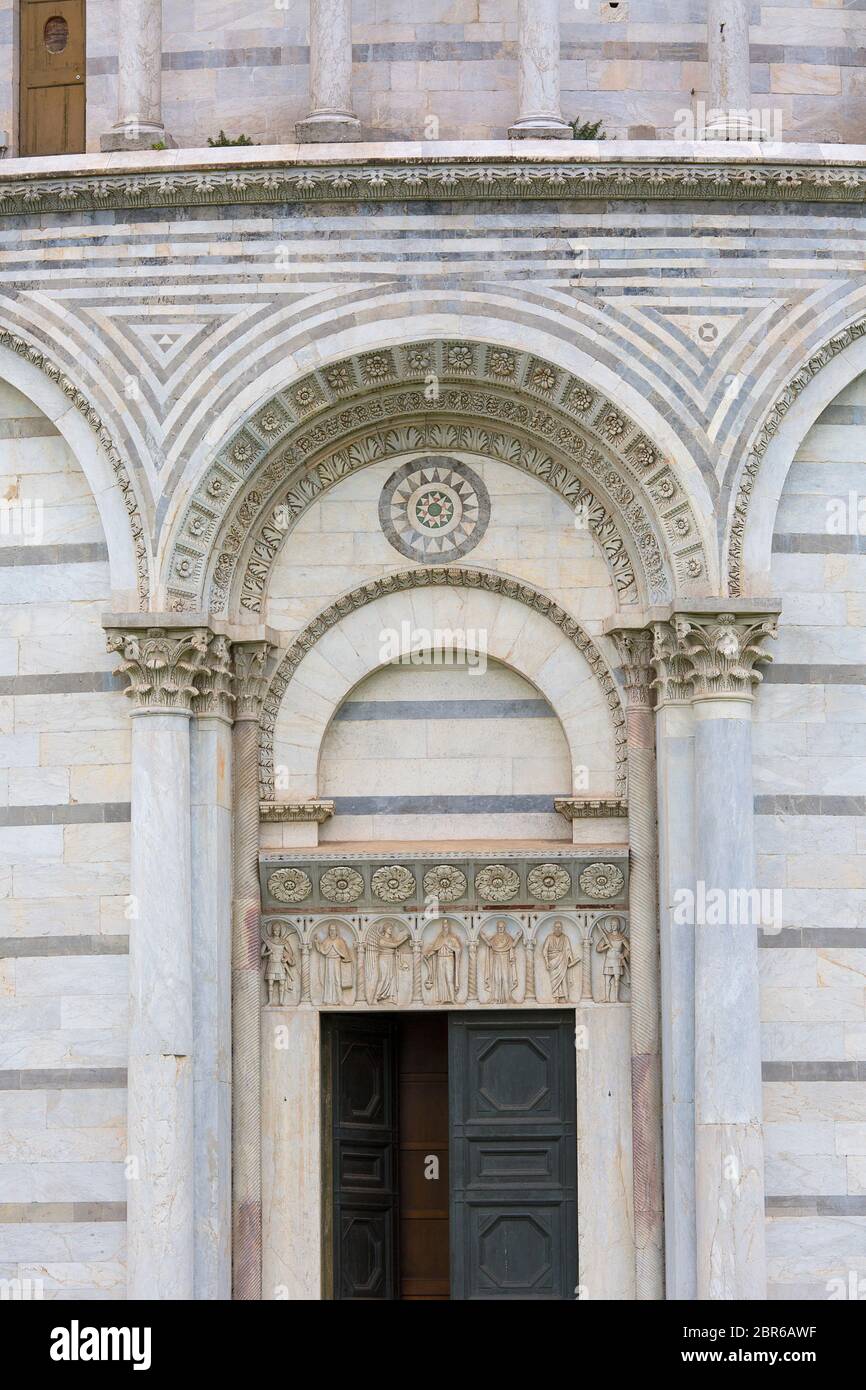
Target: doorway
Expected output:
[52,77]
[449,1156]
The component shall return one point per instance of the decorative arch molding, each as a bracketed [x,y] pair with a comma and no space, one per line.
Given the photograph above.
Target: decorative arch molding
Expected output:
[769,433]
[35,357]
[452,576]
[534,414]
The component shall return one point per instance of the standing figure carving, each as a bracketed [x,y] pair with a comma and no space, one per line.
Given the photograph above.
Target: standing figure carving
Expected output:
[614,945]
[383,959]
[559,957]
[500,980]
[337,962]
[442,959]
[277,951]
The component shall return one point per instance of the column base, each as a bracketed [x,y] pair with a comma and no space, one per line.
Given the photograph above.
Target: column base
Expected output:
[733,125]
[133,136]
[541,128]
[327,130]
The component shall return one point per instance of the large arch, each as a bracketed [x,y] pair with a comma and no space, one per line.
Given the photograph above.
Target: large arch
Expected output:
[493,399]
[749,541]
[328,666]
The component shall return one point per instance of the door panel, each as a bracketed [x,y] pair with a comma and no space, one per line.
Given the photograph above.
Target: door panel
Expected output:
[423,1093]
[364,1129]
[513,1155]
[52,77]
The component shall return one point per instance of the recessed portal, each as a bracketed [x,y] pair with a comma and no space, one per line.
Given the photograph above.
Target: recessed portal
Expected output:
[450,1156]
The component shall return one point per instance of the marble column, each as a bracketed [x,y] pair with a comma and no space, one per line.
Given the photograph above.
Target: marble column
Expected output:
[250,660]
[331,118]
[538,82]
[211,951]
[724,651]
[139,124]
[675,781]
[162,665]
[291,1155]
[730,104]
[634,648]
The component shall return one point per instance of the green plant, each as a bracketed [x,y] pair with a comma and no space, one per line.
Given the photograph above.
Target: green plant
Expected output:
[223,139]
[160,145]
[587,130]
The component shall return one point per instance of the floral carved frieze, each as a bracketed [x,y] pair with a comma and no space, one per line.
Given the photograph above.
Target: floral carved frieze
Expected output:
[462,959]
[458,576]
[492,402]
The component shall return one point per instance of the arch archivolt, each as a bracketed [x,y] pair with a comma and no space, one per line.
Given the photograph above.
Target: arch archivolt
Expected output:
[458,396]
[343,645]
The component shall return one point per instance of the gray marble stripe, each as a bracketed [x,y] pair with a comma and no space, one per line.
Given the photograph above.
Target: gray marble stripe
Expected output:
[793,673]
[818,543]
[843,1205]
[73,553]
[64,683]
[84,813]
[445,709]
[59,1213]
[27,427]
[442,805]
[64,1079]
[63,946]
[846,1070]
[815,938]
[788,804]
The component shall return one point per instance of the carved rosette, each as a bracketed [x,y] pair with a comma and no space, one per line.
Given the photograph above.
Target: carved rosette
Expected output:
[497,883]
[635,651]
[250,677]
[548,883]
[290,885]
[445,882]
[393,883]
[342,884]
[162,665]
[602,881]
[724,652]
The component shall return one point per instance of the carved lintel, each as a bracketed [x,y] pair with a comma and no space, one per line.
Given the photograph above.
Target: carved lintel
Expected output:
[724,651]
[250,677]
[591,808]
[287,812]
[635,651]
[163,665]
[215,683]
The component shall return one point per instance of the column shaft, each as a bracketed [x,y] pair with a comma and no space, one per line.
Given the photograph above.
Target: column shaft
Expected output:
[538,79]
[246,1009]
[139,122]
[729,72]
[331,117]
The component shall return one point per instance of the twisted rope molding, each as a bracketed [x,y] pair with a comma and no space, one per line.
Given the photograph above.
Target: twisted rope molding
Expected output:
[455,576]
[38,358]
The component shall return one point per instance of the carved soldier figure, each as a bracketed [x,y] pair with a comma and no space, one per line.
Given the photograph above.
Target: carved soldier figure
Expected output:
[442,958]
[501,978]
[614,945]
[386,950]
[277,950]
[559,957]
[335,954]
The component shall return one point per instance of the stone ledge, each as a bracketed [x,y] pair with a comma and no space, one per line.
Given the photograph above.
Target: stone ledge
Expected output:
[291,812]
[591,808]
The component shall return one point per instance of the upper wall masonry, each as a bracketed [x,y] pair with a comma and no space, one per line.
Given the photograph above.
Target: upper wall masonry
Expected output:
[160,73]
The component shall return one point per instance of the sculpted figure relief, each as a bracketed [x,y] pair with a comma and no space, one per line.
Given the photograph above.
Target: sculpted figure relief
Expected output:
[442,960]
[384,958]
[559,957]
[337,964]
[279,970]
[614,945]
[500,980]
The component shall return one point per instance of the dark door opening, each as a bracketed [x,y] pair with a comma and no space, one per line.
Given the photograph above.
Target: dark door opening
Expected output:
[450,1156]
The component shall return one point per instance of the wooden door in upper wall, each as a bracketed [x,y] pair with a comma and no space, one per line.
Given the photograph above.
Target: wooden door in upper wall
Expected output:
[52,77]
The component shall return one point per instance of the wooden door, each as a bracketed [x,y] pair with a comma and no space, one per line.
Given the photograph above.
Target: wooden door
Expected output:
[513,1156]
[52,77]
[422,1086]
[360,1077]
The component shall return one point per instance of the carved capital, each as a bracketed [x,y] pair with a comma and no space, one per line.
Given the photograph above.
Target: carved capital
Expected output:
[215,684]
[672,680]
[634,648]
[250,677]
[162,665]
[697,656]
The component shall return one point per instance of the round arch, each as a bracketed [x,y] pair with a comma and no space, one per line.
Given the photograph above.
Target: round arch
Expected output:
[524,631]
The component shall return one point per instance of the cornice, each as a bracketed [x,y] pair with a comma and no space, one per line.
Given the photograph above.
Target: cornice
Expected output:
[490,170]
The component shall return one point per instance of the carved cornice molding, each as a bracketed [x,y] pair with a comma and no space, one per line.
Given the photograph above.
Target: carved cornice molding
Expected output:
[768,431]
[699,656]
[162,665]
[635,650]
[493,401]
[292,812]
[37,358]
[591,807]
[458,576]
[412,180]
[250,660]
